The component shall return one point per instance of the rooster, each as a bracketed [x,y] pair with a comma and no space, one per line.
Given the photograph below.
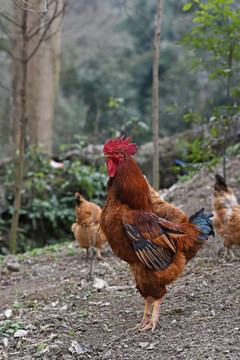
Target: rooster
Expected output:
[86,229]
[226,215]
[156,250]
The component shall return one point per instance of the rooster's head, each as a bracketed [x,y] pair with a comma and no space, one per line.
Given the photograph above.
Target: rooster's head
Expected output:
[116,150]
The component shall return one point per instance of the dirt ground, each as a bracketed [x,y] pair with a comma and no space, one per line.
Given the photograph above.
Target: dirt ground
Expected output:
[55,304]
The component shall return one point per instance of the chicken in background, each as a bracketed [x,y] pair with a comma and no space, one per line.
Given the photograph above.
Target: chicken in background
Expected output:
[226,215]
[156,249]
[87,229]
[164,209]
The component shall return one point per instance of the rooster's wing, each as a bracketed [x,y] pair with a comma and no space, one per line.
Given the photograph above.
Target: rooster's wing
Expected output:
[152,238]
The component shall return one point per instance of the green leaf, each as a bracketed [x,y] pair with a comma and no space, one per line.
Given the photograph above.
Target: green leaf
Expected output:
[187,6]
[213,132]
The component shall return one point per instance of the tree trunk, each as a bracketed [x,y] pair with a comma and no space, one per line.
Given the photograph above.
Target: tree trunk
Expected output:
[16,82]
[28,40]
[43,77]
[17,202]
[155,97]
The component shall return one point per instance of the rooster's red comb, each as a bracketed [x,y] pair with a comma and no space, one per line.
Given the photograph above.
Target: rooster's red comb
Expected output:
[120,144]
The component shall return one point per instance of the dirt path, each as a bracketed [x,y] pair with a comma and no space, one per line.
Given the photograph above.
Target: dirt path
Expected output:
[63,315]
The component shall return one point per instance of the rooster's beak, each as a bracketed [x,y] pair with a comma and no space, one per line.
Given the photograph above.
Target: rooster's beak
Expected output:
[106,156]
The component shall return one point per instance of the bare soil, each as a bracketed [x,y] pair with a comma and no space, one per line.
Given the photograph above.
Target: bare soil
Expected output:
[69,307]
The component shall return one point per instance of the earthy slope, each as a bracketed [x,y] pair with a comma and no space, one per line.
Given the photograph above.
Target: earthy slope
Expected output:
[66,316]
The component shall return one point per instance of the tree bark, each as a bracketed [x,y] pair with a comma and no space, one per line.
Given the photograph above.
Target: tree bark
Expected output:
[43,77]
[23,126]
[155,96]
[16,81]
[27,45]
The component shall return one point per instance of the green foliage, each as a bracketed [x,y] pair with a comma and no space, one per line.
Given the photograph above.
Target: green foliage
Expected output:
[201,153]
[8,327]
[41,346]
[48,203]
[120,67]
[83,314]
[234,149]
[215,40]
[16,306]
[71,252]
[183,178]
[132,126]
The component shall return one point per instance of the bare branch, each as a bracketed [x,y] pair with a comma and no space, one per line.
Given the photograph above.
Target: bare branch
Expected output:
[10,20]
[12,55]
[4,30]
[55,15]
[54,33]
[30,7]
[5,87]
[143,15]
[138,25]
[43,37]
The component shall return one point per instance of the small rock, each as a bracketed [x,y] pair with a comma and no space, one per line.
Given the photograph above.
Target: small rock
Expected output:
[54,303]
[99,284]
[77,348]
[13,266]
[5,342]
[106,328]
[105,304]
[151,346]
[8,313]
[44,269]
[108,353]
[174,322]
[20,333]
[143,344]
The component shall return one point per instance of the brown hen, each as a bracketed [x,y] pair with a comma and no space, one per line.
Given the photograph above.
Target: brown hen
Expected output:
[87,229]
[226,215]
[164,209]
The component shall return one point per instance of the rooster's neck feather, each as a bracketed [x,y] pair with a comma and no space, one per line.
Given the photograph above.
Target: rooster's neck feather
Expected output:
[130,186]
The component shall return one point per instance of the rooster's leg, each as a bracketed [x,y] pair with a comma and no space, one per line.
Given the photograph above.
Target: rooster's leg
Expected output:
[153,323]
[99,256]
[146,315]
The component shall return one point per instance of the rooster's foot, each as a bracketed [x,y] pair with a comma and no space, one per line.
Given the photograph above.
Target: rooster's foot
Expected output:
[140,326]
[230,254]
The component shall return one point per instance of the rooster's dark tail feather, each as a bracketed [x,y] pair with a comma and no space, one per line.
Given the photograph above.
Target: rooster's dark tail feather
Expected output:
[204,223]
